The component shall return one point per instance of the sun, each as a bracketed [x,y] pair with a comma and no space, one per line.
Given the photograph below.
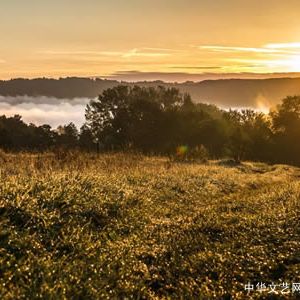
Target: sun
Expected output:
[293,63]
[289,64]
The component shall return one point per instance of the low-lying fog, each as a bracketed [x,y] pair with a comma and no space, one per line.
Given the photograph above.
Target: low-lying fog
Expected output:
[45,110]
[54,111]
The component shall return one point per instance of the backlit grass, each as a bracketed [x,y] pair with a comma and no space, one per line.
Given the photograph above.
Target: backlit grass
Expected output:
[127,226]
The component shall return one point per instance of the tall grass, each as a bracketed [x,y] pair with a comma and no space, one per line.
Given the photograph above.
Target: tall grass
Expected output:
[116,226]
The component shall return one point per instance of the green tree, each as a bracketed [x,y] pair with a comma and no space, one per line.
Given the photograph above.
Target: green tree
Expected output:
[286,124]
[68,136]
[139,117]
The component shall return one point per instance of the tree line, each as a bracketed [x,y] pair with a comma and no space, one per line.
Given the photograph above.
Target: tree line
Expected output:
[160,120]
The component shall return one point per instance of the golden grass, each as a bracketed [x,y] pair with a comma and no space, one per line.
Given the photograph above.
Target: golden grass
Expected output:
[115,226]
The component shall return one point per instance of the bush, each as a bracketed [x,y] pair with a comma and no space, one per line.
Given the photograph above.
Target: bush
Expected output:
[196,154]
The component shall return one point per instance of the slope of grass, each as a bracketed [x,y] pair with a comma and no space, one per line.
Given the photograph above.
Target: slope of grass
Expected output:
[127,226]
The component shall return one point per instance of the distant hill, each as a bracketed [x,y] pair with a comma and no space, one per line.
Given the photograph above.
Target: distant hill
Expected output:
[224,92]
[70,87]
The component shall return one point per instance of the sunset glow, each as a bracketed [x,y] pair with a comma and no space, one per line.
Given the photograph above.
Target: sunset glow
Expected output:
[294,63]
[101,38]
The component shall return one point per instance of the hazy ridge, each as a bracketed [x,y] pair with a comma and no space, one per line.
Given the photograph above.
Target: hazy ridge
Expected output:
[256,93]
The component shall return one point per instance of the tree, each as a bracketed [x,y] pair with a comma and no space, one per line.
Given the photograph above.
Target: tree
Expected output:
[86,139]
[286,124]
[68,136]
[249,134]
[107,117]
[139,117]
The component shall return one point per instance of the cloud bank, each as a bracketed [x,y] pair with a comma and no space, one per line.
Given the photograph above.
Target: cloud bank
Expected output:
[45,110]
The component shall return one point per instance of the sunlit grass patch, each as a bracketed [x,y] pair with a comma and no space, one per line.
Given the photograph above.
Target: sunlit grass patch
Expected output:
[124,225]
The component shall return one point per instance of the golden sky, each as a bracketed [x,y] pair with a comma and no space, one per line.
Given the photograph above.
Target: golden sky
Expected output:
[96,37]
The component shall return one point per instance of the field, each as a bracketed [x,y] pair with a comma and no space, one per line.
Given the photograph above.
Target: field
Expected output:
[125,226]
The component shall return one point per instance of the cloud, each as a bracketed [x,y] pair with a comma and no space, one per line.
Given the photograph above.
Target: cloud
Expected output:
[75,52]
[272,48]
[162,49]
[196,67]
[218,68]
[143,52]
[45,110]
[135,52]
[238,49]
[293,45]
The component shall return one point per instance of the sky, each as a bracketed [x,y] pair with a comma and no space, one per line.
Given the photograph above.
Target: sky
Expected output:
[59,38]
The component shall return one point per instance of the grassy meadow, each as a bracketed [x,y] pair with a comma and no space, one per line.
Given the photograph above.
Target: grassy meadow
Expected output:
[126,226]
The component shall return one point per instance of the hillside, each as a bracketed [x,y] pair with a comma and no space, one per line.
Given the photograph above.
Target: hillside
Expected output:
[257,93]
[138,227]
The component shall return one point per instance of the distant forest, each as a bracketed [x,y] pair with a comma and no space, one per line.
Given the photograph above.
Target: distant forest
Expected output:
[160,120]
[223,92]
